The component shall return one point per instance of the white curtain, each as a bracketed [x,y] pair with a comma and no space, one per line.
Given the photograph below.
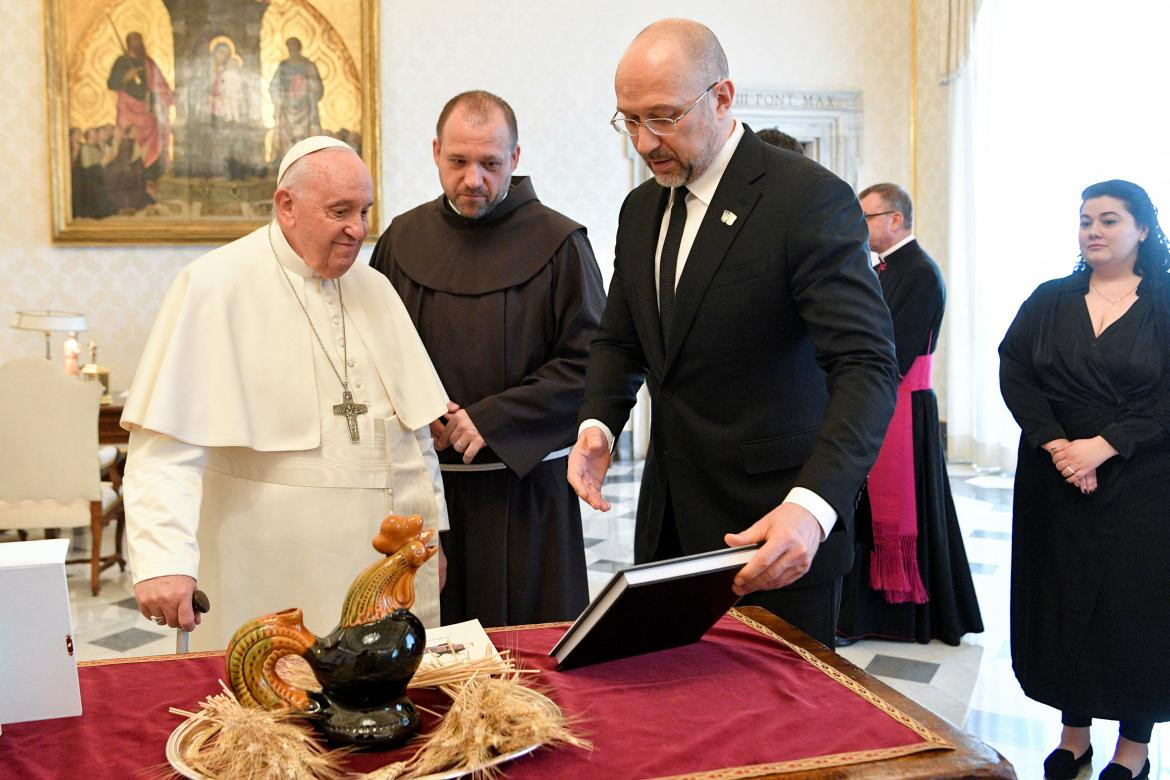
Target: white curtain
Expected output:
[956,37]
[1056,95]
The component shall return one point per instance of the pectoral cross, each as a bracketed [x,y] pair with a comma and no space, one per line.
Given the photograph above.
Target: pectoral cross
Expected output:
[351,410]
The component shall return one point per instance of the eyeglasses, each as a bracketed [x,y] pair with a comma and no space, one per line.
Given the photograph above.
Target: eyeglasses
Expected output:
[880,214]
[659,126]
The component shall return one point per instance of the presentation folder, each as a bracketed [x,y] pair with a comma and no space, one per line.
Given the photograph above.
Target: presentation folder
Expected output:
[654,606]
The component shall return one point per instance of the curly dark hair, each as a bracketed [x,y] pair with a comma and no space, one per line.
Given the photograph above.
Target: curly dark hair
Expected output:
[1153,260]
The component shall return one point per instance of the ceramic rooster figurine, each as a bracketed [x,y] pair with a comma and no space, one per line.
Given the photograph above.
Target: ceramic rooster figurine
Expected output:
[363,665]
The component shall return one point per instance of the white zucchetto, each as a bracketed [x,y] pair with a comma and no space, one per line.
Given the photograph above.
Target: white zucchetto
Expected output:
[313,143]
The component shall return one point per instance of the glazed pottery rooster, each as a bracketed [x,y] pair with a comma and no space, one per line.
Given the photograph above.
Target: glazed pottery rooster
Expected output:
[363,665]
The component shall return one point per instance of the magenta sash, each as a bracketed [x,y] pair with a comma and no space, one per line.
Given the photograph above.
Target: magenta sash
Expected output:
[893,498]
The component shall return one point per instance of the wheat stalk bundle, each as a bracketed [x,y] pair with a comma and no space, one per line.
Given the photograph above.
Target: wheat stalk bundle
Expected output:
[227,739]
[492,714]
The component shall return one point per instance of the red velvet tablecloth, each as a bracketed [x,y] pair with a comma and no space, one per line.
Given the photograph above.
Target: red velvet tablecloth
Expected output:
[741,702]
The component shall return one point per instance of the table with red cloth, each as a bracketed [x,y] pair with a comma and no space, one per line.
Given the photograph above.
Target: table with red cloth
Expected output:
[754,698]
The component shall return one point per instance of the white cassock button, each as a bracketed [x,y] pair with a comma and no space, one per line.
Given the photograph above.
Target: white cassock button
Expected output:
[389,491]
[357,383]
[351,362]
[335,321]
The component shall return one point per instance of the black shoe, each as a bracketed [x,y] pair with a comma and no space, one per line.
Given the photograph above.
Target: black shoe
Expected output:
[1118,772]
[844,641]
[1062,765]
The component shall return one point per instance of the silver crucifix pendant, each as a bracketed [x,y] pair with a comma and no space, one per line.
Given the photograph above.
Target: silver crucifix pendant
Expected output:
[351,410]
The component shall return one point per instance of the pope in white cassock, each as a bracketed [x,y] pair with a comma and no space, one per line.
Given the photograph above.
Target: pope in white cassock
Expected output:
[279,412]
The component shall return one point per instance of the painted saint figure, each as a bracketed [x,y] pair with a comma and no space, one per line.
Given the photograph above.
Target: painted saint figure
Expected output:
[217,140]
[144,101]
[295,89]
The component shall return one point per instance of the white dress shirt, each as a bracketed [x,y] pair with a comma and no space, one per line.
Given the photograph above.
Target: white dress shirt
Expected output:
[881,256]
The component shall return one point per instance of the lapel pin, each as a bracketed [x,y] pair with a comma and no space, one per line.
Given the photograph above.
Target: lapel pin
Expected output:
[728,218]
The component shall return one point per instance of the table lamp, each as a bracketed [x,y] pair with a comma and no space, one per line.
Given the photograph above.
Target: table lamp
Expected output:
[92,371]
[47,322]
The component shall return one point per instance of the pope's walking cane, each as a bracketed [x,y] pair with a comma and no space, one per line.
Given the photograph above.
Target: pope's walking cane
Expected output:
[199,603]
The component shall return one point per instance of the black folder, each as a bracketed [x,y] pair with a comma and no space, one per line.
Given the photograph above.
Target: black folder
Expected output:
[654,606]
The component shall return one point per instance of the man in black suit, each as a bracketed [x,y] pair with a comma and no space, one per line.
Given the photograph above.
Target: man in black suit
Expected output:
[771,368]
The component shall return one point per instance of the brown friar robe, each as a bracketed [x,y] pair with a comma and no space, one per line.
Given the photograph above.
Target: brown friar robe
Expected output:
[506,306]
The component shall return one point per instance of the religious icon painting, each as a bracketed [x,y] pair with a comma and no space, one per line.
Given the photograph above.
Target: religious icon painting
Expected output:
[168,118]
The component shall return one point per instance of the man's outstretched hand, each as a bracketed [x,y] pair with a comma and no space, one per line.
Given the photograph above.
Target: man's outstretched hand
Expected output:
[588,464]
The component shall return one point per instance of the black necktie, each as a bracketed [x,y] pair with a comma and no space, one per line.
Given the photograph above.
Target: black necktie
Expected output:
[669,261]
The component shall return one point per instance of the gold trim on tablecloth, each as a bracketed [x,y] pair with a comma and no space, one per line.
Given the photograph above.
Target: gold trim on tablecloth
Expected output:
[931,741]
[150,658]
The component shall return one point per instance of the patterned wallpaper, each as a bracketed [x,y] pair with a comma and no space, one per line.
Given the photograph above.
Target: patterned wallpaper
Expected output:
[552,60]
[931,201]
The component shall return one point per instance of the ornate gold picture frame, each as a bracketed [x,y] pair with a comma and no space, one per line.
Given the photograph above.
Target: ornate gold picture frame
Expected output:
[168,118]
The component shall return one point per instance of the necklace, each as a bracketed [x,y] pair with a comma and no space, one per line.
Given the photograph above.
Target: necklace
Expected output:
[347,408]
[1111,301]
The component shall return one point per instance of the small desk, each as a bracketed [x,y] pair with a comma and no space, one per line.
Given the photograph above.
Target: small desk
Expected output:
[109,431]
[125,725]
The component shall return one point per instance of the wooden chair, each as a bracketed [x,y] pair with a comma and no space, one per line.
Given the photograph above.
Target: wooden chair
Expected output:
[51,478]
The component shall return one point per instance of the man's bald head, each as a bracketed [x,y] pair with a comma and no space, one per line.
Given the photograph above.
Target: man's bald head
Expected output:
[675,71]
[680,43]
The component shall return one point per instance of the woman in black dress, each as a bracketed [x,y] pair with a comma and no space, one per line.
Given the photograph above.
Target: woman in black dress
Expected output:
[1085,370]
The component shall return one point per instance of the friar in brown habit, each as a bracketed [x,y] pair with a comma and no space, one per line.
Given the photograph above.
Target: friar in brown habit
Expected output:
[506,295]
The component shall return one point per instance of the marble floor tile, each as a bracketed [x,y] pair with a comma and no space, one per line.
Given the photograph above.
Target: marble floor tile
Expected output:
[902,668]
[126,639]
[952,709]
[597,581]
[982,533]
[994,482]
[1014,730]
[983,568]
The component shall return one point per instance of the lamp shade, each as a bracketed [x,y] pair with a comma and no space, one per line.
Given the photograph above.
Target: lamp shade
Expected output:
[47,321]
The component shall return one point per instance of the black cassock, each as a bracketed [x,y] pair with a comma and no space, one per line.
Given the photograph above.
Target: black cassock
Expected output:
[913,289]
[506,306]
[1090,603]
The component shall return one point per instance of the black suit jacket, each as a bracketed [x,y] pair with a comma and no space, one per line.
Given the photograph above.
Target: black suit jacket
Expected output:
[781,369]
[916,296]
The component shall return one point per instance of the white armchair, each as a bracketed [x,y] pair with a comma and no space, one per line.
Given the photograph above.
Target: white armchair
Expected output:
[51,478]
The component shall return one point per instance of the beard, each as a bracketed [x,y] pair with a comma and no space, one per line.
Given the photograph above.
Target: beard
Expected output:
[669,180]
[475,212]
[692,167]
